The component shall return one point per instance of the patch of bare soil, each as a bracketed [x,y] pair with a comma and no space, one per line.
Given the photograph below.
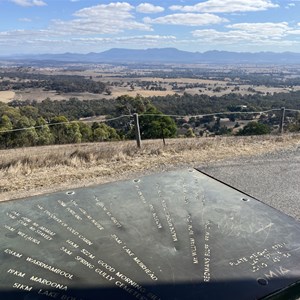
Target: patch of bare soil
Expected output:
[32,171]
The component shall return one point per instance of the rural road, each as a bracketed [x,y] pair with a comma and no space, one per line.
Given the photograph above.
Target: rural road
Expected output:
[273,178]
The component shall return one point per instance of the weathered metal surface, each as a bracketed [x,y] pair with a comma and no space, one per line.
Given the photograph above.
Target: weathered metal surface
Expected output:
[177,235]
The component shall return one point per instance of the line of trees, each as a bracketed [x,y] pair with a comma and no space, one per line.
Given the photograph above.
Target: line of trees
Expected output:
[53,122]
[24,127]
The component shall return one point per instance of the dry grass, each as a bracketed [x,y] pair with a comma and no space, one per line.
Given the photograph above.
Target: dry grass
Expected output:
[31,171]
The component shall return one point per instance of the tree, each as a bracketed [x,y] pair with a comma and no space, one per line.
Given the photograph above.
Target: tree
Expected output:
[5,126]
[26,137]
[73,133]
[154,124]
[190,133]
[43,131]
[254,128]
[103,132]
[86,132]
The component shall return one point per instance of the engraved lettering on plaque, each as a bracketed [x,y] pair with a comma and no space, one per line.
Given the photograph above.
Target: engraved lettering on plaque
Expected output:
[108,213]
[167,214]
[151,207]
[207,253]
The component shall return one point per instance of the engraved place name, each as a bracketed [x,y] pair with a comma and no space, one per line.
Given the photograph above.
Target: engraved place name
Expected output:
[185,192]
[192,240]
[109,273]
[49,268]
[56,295]
[49,283]
[85,213]
[151,207]
[108,213]
[137,260]
[40,230]
[65,225]
[167,214]
[70,210]
[262,259]
[207,253]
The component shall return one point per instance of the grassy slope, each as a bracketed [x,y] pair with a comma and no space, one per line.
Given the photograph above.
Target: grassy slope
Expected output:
[31,171]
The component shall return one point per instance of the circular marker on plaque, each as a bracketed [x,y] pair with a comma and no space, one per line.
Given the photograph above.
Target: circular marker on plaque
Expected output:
[262,281]
[69,193]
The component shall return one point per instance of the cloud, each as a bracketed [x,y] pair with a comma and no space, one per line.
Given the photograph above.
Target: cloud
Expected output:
[101,19]
[250,33]
[147,8]
[226,6]
[290,5]
[29,2]
[188,19]
[268,30]
[25,20]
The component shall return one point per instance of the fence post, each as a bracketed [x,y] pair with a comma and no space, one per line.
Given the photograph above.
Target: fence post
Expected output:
[137,130]
[162,134]
[282,120]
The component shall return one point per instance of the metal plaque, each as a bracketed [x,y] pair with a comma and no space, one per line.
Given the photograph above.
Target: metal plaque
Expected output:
[176,235]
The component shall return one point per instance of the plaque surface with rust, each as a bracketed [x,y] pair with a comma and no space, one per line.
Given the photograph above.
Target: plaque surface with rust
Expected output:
[177,235]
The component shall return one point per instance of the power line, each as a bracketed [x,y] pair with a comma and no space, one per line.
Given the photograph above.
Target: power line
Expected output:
[143,115]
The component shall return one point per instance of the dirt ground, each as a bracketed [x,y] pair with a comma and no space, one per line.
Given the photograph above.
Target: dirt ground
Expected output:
[32,171]
[6,96]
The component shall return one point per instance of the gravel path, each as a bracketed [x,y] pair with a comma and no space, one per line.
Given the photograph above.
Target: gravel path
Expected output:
[272,178]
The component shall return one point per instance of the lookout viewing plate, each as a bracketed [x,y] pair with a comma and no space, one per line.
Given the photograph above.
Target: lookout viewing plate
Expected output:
[175,235]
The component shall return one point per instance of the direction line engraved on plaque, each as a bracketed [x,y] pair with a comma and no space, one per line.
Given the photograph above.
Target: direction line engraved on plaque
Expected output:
[207,253]
[129,252]
[108,213]
[167,214]
[151,207]
[65,225]
[262,259]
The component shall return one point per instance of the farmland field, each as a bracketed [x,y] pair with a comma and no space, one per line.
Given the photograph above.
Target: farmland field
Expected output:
[6,96]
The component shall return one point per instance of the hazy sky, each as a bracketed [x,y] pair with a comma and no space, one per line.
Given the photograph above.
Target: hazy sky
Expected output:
[82,26]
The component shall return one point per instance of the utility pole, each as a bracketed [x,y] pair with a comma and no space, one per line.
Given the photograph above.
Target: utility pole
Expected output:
[137,130]
[282,120]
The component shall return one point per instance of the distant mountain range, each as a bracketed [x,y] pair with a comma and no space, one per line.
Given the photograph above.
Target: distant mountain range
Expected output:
[165,55]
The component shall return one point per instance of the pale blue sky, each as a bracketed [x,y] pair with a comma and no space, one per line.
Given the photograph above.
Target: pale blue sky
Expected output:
[82,26]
